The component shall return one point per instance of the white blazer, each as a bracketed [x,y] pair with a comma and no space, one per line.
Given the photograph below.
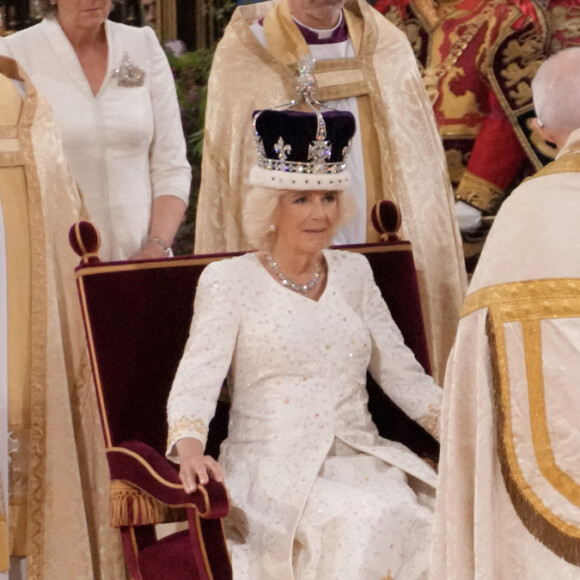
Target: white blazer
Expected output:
[125,145]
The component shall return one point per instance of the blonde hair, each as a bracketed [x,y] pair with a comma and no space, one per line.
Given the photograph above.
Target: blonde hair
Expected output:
[261,211]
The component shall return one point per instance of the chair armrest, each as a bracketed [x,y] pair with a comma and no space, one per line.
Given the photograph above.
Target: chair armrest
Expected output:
[144,468]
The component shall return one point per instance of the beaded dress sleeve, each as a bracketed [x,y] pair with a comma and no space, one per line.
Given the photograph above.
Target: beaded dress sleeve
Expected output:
[206,359]
[393,365]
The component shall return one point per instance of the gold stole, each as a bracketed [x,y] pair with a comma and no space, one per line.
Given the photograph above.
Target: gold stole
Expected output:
[566,164]
[335,79]
[18,260]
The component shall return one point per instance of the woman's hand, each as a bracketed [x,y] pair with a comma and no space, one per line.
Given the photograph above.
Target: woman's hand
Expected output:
[153,248]
[195,466]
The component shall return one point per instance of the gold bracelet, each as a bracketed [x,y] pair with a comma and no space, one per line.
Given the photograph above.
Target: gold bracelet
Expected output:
[160,242]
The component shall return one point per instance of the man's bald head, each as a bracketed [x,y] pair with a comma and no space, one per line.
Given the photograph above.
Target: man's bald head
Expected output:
[556,89]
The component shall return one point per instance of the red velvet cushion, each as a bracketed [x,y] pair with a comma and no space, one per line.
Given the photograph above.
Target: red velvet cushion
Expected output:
[169,559]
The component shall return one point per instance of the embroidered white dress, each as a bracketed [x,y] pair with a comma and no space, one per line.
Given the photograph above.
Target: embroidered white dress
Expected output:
[125,145]
[316,493]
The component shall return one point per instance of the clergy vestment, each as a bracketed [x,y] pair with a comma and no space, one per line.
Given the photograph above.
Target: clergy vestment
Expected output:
[507,503]
[58,485]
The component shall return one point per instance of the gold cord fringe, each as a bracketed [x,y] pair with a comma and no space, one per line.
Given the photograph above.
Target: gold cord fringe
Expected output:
[129,506]
[557,540]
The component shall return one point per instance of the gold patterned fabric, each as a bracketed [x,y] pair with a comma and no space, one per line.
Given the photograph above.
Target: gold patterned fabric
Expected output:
[403,158]
[59,477]
[564,18]
[508,502]
[478,59]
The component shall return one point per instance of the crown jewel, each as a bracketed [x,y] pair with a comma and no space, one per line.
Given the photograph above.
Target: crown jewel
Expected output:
[300,143]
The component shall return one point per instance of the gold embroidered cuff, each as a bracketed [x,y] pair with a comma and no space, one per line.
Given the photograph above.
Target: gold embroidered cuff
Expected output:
[479,193]
[187,427]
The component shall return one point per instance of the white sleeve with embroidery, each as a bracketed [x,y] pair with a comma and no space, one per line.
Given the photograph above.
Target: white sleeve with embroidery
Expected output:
[206,359]
[393,365]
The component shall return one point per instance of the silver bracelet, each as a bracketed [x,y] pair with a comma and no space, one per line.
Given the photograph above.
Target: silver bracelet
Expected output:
[160,242]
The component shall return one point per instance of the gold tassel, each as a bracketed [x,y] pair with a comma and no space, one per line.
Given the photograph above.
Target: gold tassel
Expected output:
[129,506]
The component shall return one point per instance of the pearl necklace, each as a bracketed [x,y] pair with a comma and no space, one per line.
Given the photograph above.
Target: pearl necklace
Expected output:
[301,288]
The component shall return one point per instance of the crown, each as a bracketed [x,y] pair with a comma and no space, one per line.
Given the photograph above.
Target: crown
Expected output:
[302,150]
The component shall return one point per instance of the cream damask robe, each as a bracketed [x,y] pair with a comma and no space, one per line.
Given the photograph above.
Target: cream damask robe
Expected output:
[403,156]
[509,477]
[58,486]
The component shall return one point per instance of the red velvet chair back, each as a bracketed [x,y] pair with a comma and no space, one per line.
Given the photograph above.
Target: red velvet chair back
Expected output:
[138,316]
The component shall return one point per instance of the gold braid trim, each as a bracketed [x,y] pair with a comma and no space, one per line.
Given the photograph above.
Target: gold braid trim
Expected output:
[557,535]
[553,295]
[564,24]
[565,164]
[35,526]
[528,303]
[130,506]
[479,193]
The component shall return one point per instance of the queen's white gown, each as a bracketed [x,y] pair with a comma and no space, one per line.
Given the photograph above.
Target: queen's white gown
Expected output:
[315,492]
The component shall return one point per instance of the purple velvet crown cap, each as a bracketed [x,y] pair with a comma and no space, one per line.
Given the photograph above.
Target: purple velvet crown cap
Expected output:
[293,153]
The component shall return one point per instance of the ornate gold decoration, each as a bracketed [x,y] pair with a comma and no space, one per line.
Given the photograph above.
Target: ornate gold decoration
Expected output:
[479,193]
[428,12]
[514,292]
[560,480]
[28,539]
[565,24]
[566,164]
[528,303]
[432,75]
[455,164]
[522,58]
[185,424]
[511,68]
[410,26]
[394,17]
[132,507]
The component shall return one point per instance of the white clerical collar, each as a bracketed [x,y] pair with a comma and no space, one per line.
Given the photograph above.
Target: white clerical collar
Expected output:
[322,34]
